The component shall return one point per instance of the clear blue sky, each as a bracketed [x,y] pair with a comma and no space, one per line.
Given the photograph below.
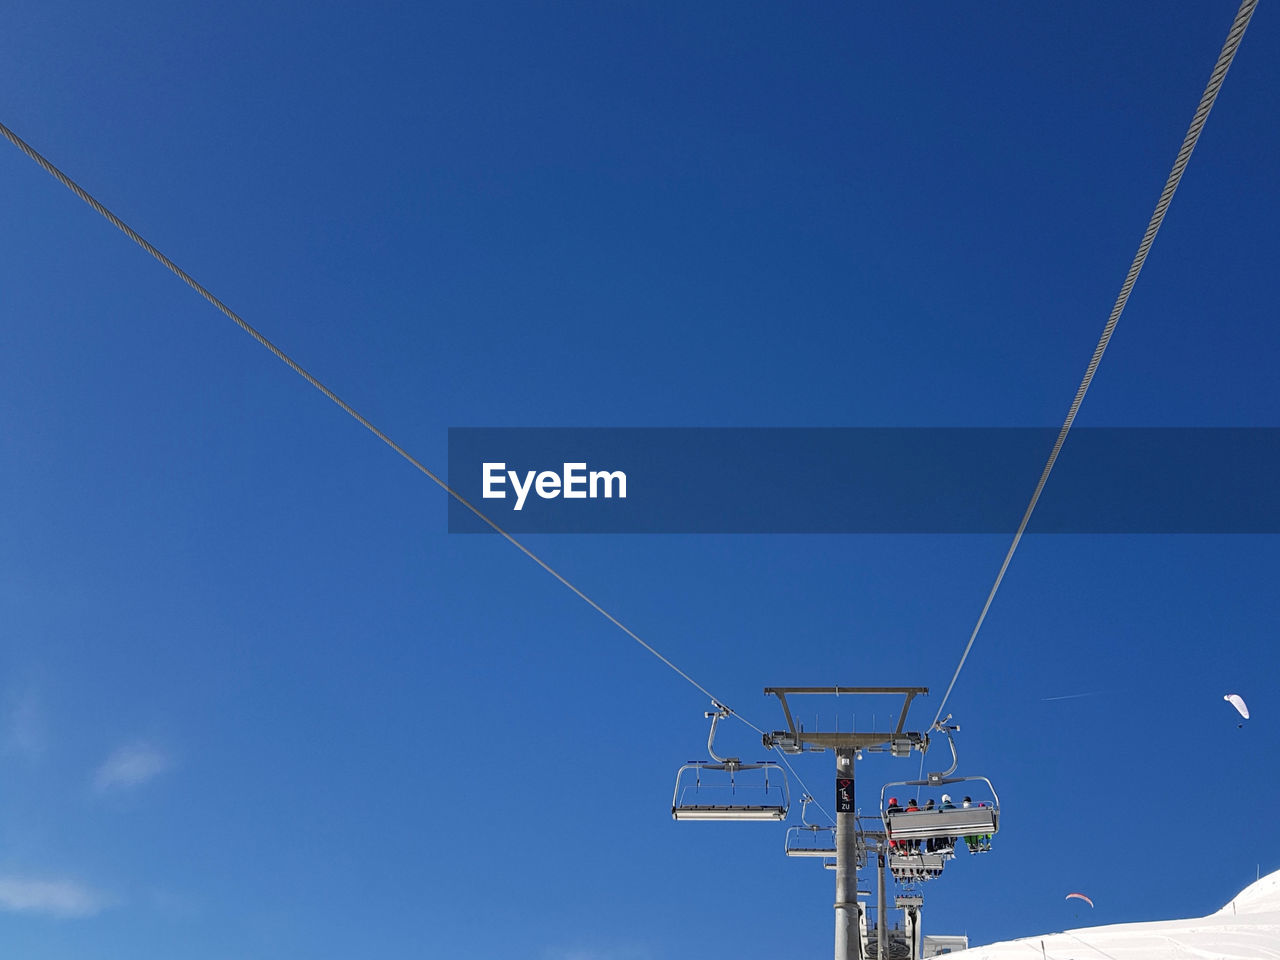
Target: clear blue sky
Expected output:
[256,702]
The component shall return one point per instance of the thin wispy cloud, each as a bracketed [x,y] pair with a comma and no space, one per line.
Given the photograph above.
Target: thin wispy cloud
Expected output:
[56,898]
[129,767]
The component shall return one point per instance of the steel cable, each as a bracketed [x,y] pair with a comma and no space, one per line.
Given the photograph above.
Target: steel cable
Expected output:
[1153,226]
[190,281]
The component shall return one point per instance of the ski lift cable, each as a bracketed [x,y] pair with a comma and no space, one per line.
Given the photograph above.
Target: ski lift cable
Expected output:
[804,786]
[297,368]
[1153,226]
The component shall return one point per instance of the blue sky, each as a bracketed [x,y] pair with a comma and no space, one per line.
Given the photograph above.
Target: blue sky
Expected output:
[257,702]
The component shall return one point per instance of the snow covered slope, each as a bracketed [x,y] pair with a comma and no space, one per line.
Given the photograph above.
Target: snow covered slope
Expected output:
[1247,928]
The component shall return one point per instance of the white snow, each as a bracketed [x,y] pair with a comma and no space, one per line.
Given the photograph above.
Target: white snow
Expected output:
[1247,928]
[1260,897]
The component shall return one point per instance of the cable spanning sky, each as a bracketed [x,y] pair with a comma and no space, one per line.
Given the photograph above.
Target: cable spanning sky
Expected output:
[255,700]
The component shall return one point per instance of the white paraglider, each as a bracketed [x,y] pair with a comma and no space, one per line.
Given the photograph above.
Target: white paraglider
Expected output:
[1237,701]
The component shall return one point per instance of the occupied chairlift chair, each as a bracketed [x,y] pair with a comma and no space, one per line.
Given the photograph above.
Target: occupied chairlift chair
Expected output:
[910,867]
[941,824]
[689,800]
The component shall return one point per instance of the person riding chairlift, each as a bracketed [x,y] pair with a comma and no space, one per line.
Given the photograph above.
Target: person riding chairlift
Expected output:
[891,809]
[973,840]
[949,844]
[929,843]
[912,845]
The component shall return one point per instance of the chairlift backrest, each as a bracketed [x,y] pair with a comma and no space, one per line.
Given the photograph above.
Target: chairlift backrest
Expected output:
[936,824]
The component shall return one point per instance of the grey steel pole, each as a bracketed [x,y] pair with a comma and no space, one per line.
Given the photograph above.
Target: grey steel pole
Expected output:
[848,940]
[882,931]
[912,914]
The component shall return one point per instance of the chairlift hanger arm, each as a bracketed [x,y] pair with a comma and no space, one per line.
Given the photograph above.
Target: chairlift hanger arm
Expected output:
[936,779]
[716,716]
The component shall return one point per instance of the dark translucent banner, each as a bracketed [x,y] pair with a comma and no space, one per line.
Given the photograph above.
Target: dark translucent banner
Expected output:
[864,480]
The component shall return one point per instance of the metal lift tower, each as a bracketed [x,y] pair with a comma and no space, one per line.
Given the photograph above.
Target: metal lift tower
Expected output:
[848,746]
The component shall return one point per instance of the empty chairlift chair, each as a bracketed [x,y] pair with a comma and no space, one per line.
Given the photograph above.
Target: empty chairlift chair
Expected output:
[716,789]
[809,839]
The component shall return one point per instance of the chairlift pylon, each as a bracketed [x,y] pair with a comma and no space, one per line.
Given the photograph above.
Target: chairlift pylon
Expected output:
[695,800]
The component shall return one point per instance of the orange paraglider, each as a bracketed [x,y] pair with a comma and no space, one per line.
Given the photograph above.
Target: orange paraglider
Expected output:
[1078,896]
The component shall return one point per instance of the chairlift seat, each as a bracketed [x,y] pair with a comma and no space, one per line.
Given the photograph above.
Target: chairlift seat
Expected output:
[811,852]
[727,811]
